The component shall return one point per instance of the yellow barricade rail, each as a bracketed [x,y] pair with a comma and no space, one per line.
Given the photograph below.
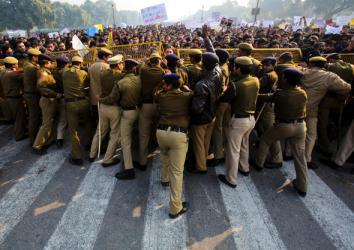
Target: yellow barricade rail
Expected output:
[256,53]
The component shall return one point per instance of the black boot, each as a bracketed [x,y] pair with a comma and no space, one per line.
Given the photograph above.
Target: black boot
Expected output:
[127,174]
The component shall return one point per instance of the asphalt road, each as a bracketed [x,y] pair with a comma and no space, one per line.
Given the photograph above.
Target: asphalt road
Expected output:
[46,203]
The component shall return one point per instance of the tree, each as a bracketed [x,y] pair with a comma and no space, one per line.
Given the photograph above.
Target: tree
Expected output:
[67,15]
[26,14]
[329,8]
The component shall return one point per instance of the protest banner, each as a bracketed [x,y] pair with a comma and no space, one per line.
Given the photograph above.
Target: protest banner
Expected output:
[78,45]
[99,26]
[92,31]
[64,31]
[53,34]
[333,30]
[343,20]
[154,14]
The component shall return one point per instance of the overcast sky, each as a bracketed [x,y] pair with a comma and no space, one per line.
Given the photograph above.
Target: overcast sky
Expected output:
[175,9]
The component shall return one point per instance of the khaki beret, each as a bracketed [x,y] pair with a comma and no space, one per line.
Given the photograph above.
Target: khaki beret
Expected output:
[77,59]
[245,46]
[116,59]
[155,55]
[10,60]
[243,60]
[195,52]
[106,51]
[34,52]
[318,59]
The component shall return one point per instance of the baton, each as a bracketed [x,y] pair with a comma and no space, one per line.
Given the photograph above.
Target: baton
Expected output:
[99,131]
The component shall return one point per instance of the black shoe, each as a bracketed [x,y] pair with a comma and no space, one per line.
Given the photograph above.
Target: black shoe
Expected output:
[21,138]
[243,172]
[78,162]
[40,151]
[140,167]
[92,159]
[255,166]
[223,179]
[312,165]
[273,165]
[214,162]
[165,183]
[110,164]
[60,143]
[301,193]
[329,163]
[196,171]
[185,206]
[127,174]
[288,158]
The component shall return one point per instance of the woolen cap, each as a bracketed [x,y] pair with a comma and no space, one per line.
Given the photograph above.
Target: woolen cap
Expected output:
[172,58]
[209,58]
[62,59]
[292,73]
[172,77]
[271,60]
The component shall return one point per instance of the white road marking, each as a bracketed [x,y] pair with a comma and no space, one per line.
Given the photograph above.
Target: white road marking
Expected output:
[246,210]
[19,198]
[335,218]
[160,231]
[81,222]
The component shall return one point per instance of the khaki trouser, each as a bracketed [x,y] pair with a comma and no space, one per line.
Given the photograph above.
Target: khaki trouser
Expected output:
[45,133]
[5,113]
[265,122]
[34,115]
[129,117]
[346,147]
[110,120]
[17,113]
[295,134]
[201,135]
[221,124]
[147,117]
[75,111]
[62,122]
[237,150]
[173,146]
[311,136]
[327,105]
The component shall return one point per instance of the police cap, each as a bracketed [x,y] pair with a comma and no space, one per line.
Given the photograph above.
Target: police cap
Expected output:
[77,59]
[209,58]
[34,52]
[115,59]
[155,55]
[334,56]
[244,61]
[293,74]
[10,60]
[62,59]
[44,57]
[222,54]
[172,77]
[106,51]
[195,52]
[317,59]
[131,62]
[245,46]
[172,58]
[271,60]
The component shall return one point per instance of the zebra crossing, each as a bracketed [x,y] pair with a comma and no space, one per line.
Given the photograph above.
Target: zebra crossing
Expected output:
[99,212]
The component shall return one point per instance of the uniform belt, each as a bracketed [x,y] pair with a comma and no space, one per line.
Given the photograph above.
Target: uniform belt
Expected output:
[172,128]
[290,120]
[130,108]
[76,99]
[14,97]
[242,116]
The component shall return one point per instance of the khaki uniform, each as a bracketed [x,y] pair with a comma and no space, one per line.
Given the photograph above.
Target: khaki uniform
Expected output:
[110,118]
[267,118]
[95,71]
[222,119]
[184,76]
[290,112]
[77,106]
[31,96]
[194,72]
[256,67]
[332,102]
[62,122]
[151,79]
[242,96]
[127,93]
[47,87]
[346,147]
[12,85]
[173,108]
[317,82]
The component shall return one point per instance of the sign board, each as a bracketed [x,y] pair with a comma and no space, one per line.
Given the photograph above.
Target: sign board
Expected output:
[333,30]
[16,33]
[343,20]
[78,45]
[53,34]
[92,31]
[154,14]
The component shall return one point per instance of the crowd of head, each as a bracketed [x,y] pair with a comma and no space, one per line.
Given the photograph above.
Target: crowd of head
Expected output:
[179,36]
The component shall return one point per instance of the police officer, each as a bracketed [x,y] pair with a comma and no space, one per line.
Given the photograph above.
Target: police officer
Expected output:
[109,114]
[317,82]
[194,70]
[31,94]
[151,78]
[268,84]
[245,49]
[46,86]
[62,63]
[173,66]
[332,103]
[173,108]
[77,106]
[127,93]
[12,83]
[242,96]
[290,113]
